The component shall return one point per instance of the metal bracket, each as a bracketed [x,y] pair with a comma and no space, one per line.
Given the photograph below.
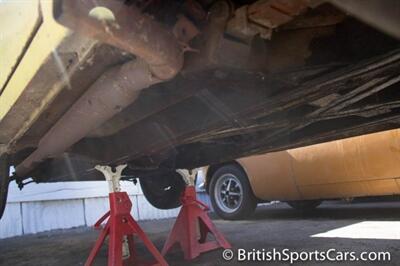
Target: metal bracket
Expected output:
[189,176]
[112,177]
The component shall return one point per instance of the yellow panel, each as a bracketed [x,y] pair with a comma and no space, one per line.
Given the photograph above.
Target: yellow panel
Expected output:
[19,21]
[380,154]
[351,189]
[271,176]
[319,164]
[358,166]
[372,156]
[398,183]
[382,187]
[332,191]
[49,35]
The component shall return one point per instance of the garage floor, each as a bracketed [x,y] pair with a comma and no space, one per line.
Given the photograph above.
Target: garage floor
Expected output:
[275,226]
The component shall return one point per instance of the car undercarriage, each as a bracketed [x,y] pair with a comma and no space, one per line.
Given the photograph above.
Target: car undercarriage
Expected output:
[165,85]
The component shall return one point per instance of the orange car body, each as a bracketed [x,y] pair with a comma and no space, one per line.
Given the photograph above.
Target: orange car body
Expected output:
[367,165]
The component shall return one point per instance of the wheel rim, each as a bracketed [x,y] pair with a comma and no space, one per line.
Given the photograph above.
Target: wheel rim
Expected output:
[228,193]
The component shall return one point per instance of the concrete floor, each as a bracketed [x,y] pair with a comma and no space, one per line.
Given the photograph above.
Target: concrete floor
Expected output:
[275,226]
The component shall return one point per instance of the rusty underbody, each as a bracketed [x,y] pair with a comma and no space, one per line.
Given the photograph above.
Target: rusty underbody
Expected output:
[188,83]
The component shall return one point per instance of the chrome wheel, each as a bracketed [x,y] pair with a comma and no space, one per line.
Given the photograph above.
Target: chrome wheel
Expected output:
[228,193]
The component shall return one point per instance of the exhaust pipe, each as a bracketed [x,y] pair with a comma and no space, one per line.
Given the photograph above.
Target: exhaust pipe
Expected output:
[159,57]
[125,27]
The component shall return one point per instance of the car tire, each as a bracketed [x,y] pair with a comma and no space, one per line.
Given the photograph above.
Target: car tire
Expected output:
[236,201]
[4,182]
[304,205]
[163,192]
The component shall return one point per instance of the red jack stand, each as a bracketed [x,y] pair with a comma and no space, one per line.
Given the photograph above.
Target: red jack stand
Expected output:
[120,225]
[193,217]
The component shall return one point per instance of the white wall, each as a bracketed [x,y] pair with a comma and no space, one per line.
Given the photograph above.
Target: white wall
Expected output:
[43,207]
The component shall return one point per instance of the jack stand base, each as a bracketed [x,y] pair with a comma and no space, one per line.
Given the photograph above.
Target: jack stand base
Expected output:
[192,218]
[119,225]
